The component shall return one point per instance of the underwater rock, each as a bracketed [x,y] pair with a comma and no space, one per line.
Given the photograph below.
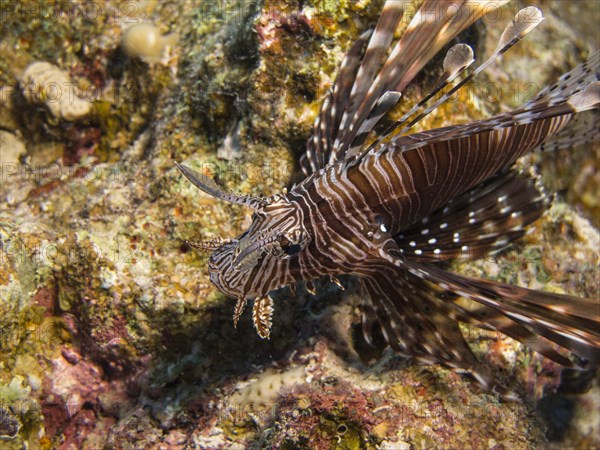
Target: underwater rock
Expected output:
[7,117]
[9,425]
[12,147]
[47,84]
[144,41]
[231,148]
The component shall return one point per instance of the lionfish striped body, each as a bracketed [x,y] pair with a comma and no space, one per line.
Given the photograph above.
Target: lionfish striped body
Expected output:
[388,209]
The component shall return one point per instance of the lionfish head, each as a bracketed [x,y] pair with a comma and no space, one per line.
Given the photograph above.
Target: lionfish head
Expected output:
[271,245]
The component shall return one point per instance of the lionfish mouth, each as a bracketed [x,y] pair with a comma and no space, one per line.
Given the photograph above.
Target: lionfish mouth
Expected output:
[250,249]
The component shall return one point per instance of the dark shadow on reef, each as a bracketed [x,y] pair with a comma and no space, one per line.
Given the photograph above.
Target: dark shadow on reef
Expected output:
[558,409]
[196,362]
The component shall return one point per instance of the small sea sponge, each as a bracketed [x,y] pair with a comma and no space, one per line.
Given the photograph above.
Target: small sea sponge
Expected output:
[267,386]
[144,41]
[47,84]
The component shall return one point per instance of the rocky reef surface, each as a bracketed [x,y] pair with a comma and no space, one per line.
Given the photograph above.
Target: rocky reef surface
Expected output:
[111,335]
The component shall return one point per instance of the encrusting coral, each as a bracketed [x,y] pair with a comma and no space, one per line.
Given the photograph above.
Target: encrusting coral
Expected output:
[112,335]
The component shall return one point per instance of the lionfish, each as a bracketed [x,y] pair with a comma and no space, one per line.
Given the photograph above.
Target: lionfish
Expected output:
[388,207]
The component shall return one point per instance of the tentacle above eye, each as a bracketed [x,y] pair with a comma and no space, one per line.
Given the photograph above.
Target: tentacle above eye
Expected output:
[208,185]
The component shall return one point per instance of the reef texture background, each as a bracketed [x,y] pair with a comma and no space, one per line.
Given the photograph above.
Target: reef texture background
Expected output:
[112,336]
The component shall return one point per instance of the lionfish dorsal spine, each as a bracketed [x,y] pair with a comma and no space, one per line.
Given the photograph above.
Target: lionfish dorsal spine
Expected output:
[524,22]
[421,41]
[457,59]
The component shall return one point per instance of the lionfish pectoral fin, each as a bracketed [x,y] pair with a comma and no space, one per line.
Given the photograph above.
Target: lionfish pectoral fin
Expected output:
[416,323]
[571,322]
[337,282]
[239,309]
[310,287]
[262,312]
[480,221]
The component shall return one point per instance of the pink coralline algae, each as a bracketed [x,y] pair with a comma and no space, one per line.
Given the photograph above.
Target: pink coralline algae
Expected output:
[73,399]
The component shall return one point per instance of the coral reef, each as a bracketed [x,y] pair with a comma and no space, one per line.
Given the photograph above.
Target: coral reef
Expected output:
[44,83]
[9,425]
[144,41]
[112,336]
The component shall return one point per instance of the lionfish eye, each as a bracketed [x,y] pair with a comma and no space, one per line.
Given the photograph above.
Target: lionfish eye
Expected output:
[292,249]
[288,247]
